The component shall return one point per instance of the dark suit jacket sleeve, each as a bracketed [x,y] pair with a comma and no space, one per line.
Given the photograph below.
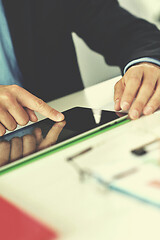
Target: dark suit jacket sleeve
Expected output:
[112,31]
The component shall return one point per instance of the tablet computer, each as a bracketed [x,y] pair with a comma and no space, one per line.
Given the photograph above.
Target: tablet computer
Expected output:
[45,135]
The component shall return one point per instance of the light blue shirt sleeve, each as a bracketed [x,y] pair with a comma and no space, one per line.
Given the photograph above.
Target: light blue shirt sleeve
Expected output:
[9,69]
[140,60]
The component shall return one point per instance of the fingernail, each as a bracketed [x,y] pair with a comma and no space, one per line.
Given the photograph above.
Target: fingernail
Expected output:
[116,106]
[134,114]
[59,117]
[125,106]
[148,110]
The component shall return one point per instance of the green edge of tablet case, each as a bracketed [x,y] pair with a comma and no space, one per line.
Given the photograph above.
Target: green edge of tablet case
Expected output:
[66,145]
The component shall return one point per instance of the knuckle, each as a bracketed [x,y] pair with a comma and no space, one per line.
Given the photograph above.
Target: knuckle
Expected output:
[150,85]
[152,66]
[7,96]
[135,73]
[40,104]
[51,112]
[128,97]
[13,107]
[15,88]
[153,70]
[138,69]
[136,79]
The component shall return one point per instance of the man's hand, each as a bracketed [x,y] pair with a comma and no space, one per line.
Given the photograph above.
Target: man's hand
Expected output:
[17,106]
[139,90]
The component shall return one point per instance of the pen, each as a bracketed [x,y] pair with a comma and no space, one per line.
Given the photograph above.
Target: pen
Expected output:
[86,150]
[79,154]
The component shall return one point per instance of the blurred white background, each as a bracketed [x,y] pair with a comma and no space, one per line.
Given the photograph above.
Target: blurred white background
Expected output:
[92,65]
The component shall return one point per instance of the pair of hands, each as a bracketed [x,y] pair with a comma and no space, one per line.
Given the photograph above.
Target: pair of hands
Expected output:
[140,83]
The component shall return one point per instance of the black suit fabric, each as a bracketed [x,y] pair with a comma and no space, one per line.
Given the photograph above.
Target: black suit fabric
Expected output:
[41,34]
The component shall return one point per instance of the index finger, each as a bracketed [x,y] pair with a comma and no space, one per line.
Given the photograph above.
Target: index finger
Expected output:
[34,103]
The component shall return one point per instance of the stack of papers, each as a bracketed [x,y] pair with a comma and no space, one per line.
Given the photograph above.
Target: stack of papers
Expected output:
[116,166]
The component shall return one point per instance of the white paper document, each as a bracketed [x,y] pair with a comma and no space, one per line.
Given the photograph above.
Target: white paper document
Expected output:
[115,163]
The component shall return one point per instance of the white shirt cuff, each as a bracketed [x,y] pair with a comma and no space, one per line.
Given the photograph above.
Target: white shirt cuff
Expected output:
[140,60]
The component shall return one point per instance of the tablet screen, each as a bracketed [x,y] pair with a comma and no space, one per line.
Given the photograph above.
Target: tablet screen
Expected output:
[46,133]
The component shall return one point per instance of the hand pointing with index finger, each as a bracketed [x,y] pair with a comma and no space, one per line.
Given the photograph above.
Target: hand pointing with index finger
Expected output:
[36,104]
[17,106]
